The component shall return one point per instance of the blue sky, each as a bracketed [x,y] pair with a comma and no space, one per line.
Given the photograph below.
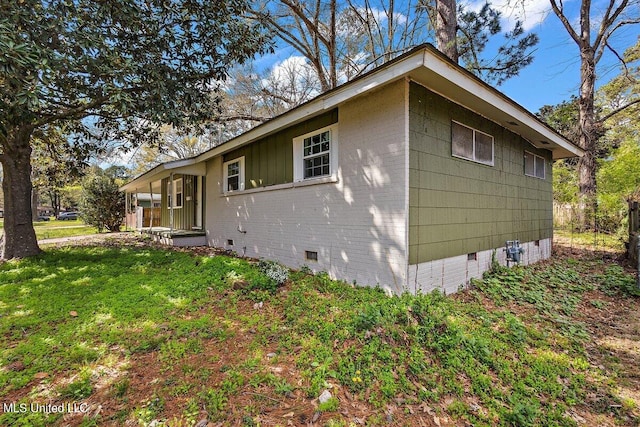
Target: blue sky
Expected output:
[554,74]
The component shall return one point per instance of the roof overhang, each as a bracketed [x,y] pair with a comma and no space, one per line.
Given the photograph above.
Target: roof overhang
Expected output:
[426,66]
[457,84]
[186,167]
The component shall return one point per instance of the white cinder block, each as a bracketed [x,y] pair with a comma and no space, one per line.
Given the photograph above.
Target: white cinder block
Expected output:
[451,274]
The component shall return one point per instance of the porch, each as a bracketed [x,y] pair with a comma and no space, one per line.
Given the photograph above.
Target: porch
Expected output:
[169,237]
[167,203]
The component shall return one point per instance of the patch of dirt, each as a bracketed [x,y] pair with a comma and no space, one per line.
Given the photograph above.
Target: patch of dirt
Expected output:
[613,323]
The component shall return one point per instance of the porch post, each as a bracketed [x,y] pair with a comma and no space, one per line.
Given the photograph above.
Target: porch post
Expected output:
[151,212]
[136,211]
[126,211]
[171,184]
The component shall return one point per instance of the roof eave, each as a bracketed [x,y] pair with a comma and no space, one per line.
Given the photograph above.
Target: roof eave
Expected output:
[159,172]
[426,66]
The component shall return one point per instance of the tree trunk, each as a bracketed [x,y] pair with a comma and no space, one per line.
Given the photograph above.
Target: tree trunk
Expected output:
[35,201]
[55,202]
[446,28]
[19,238]
[333,64]
[588,138]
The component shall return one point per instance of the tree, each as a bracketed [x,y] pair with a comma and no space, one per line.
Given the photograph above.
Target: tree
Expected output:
[592,42]
[102,204]
[112,70]
[310,28]
[473,33]
[55,164]
[616,148]
[618,180]
[463,35]
[563,118]
[171,146]
[341,41]
[618,175]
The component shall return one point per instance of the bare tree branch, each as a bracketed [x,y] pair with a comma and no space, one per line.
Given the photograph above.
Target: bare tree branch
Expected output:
[559,11]
[616,27]
[608,20]
[618,110]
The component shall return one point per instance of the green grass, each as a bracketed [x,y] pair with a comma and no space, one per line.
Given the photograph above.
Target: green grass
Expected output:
[599,241]
[510,352]
[54,229]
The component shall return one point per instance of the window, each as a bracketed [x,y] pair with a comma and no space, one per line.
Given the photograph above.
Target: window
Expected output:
[534,165]
[174,194]
[315,154]
[311,255]
[471,144]
[317,149]
[234,175]
[177,185]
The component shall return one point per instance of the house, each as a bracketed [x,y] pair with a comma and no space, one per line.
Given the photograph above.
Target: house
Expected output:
[410,177]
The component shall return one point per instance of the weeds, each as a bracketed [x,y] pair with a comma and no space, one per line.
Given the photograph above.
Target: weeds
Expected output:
[615,281]
[510,352]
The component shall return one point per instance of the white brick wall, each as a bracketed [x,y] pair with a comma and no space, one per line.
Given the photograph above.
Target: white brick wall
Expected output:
[357,225]
[451,274]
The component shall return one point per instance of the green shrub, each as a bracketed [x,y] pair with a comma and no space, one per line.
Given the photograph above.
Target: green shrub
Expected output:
[274,271]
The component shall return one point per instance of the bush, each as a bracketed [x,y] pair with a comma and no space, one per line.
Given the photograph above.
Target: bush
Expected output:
[101,202]
[274,271]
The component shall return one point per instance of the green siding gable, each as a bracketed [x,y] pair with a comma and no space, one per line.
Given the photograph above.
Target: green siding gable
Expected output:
[457,206]
[269,161]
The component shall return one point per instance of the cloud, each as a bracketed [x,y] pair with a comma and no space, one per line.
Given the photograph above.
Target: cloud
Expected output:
[292,66]
[530,12]
[294,78]
[380,15]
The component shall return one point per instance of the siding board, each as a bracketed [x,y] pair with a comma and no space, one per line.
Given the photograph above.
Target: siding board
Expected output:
[269,161]
[184,217]
[458,206]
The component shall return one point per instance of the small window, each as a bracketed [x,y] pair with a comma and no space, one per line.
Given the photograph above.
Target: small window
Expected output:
[472,256]
[234,175]
[229,242]
[174,193]
[316,151]
[311,255]
[178,188]
[534,165]
[471,144]
[315,154]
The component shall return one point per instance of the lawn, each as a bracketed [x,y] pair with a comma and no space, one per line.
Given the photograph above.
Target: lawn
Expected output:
[592,240]
[54,229]
[128,333]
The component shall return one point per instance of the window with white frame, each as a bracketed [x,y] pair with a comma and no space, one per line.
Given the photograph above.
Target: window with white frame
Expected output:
[233,175]
[471,144]
[534,165]
[315,154]
[175,193]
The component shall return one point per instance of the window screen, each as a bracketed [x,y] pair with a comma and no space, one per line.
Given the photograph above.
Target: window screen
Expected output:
[471,144]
